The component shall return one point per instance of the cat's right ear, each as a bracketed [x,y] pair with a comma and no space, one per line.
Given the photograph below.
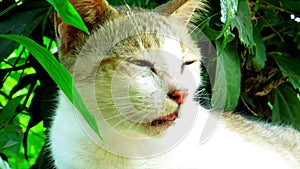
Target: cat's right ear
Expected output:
[94,13]
[181,9]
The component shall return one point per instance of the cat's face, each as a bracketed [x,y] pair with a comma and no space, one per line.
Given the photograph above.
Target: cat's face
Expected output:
[144,78]
[136,72]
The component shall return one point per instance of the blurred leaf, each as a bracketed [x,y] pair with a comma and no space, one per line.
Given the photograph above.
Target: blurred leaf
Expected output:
[20,22]
[9,110]
[286,106]
[242,22]
[226,89]
[260,57]
[289,66]
[11,137]
[58,74]
[68,14]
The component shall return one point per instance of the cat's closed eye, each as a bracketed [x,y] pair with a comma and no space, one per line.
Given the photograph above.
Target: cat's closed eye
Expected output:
[189,62]
[143,63]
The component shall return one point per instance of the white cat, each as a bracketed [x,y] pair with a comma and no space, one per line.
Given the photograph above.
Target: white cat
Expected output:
[137,74]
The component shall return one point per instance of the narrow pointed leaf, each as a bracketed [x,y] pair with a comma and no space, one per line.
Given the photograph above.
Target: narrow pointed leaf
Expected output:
[58,74]
[68,14]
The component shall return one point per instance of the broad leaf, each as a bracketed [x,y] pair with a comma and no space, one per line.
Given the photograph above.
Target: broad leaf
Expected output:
[286,106]
[228,10]
[9,110]
[226,89]
[68,14]
[11,138]
[58,74]
[289,67]
[21,22]
[242,22]
[260,57]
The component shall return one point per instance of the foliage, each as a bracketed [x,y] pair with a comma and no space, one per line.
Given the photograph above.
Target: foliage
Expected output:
[258,49]
[266,42]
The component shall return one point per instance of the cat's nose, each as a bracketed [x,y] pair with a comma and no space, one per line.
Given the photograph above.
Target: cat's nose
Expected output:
[178,96]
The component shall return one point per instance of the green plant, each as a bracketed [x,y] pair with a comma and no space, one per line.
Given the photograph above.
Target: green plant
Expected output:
[257,43]
[258,50]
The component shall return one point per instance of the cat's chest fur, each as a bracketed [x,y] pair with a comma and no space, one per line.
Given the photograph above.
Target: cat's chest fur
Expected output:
[223,149]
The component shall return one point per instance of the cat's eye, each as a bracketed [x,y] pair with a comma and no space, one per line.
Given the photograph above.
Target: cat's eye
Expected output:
[189,62]
[143,63]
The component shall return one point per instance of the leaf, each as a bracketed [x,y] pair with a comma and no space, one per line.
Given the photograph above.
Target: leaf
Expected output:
[260,57]
[68,14]
[242,22]
[58,74]
[11,138]
[286,106]
[226,89]
[228,10]
[9,110]
[22,22]
[289,67]
[207,30]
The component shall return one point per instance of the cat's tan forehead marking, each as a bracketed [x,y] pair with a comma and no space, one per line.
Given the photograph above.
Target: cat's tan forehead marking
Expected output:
[182,47]
[150,41]
[111,62]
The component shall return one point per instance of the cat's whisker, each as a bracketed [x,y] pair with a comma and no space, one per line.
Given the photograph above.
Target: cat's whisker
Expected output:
[127,6]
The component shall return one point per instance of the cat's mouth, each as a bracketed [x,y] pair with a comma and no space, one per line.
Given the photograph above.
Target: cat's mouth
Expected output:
[164,120]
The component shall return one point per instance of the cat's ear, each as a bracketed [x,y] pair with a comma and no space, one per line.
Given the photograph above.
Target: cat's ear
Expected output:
[182,9]
[94,13]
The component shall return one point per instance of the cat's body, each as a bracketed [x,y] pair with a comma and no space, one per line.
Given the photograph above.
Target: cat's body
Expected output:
[140,88]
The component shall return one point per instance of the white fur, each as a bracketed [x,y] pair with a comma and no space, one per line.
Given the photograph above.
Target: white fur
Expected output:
[224,149]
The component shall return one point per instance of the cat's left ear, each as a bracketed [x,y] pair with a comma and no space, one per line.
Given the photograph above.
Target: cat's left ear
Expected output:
[182,9]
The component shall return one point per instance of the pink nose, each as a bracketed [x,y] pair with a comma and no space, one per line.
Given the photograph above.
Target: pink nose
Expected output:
[178,96]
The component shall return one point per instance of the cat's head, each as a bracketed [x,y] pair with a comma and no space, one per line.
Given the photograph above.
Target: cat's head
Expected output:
[136,71]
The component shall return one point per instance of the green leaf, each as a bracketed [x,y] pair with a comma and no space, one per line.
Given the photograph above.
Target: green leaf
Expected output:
[11,138]
[289,67]
[9,110]
[226,89]
[260,56]
[68,14]
[228,10]
[286,106]
[242,22]
[58,74]
[208,31]
[21,21]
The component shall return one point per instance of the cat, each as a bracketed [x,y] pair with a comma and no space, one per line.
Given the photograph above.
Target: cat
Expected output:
[138,72]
